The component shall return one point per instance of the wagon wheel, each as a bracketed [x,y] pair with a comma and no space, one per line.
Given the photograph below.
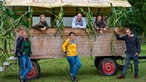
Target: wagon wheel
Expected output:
[35,72]
[108,67]
[96,62]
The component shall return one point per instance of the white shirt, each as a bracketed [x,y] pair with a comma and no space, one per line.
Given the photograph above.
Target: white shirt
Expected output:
[74,21]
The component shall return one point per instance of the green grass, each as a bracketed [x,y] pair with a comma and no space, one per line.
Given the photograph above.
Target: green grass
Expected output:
[57,70]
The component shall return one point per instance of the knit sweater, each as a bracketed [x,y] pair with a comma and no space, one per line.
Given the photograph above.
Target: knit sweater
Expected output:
[132,44]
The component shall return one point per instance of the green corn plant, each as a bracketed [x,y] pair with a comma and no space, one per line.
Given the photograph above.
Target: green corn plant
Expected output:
[116,21]
[8,22]
[60,25]
[91,32]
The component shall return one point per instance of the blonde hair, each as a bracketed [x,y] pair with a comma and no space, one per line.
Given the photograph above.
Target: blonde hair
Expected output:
[24,32]
[42,16]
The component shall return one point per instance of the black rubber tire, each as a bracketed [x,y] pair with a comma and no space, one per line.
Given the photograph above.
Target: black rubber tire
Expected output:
[108,67]
[35,72]
[96,62]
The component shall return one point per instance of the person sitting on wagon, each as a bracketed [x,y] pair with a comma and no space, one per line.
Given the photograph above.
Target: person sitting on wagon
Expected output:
[100,23]
[78,21]
[42,25]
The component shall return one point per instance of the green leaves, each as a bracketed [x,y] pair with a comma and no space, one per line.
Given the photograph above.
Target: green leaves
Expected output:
[117,17]
[133,17]
[8,22]
[91,32]
[60,24]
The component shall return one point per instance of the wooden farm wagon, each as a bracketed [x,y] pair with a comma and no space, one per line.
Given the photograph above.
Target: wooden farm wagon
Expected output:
[101,47]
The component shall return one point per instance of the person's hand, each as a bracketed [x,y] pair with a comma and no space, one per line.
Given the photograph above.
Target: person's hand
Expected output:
[136,53]
[45,28]
[23,52]
[104,29]
[101,31]
[42,29]
[115,30]
[65,53]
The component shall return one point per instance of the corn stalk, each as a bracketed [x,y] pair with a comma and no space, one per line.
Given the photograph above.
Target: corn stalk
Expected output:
[116,20]
[60,24]
[91,32]
[7,26]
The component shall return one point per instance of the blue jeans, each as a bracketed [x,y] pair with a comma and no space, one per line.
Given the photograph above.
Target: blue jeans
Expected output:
[128,58]
[75,64]
[25,65]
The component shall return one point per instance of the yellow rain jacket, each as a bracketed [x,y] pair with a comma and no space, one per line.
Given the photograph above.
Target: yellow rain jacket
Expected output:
[70,48]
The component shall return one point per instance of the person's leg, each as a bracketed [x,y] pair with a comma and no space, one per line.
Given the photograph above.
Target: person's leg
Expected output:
[28,66]
[78,65]
[135,59]
[71,62]
[21,60]
[127,63]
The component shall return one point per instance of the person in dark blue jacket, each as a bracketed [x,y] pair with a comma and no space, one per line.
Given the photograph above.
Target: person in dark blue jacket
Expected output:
[132,51]
[23,51]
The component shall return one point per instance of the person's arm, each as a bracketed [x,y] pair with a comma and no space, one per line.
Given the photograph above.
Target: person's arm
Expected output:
[138,46]
[105,24]
[46,25]
[37,26]
[120,37]
[64,46]
[18,45]
[84,23]
[30,47]
[97,28]
[73,22]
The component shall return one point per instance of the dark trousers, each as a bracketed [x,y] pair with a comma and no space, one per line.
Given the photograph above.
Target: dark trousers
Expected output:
[128,58]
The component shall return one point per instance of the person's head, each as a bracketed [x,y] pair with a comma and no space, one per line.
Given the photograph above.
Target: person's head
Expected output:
[24,34]
[79,16]
[71,35]
[128,32]
[99,18]
[42,18]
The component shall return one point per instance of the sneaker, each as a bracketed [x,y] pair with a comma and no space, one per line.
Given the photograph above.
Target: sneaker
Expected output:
[75,80]
[120,77]
[136,76]
[22,79]
[71,77]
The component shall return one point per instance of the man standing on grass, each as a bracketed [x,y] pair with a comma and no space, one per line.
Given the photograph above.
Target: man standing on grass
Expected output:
[132,52]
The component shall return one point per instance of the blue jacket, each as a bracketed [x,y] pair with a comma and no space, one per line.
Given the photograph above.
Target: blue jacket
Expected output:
[132,44]
[20,46]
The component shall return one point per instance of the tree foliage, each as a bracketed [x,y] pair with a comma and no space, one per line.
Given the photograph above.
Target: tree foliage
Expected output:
[133,17]
[8,22]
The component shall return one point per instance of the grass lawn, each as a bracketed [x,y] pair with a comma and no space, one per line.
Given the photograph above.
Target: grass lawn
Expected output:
[57,70]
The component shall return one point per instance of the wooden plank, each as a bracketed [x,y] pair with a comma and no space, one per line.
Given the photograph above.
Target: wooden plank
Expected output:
[46,45]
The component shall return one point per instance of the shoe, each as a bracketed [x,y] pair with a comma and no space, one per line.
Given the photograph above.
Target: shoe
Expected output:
[75,80]
[71,77]
[136,76]
[120,77]
[22,79]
